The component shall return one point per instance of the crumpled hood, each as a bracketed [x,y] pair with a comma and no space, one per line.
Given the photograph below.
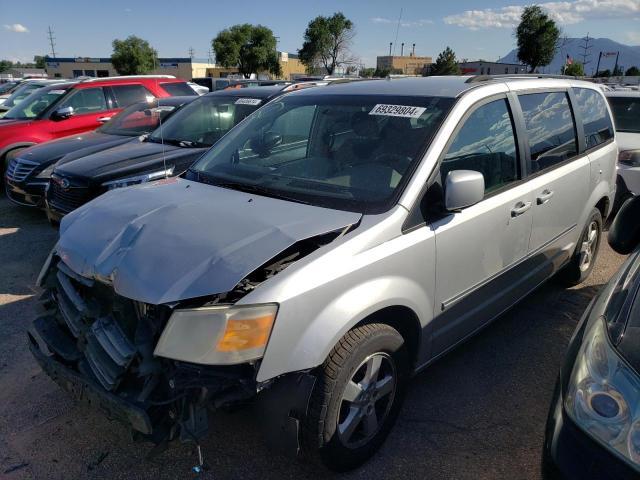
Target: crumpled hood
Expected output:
[73,146]
[127,159]
[176,239]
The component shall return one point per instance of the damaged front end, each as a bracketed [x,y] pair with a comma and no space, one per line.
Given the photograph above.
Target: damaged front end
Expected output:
[99,346]
[161,369]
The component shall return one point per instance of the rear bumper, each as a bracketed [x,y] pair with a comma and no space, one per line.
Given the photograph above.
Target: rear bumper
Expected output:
[86,391]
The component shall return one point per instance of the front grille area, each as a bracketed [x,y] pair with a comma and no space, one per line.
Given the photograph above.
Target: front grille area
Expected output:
[19,169]
[106,329]
[68,199]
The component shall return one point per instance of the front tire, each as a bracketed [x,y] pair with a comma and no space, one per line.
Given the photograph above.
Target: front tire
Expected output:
[357,397]
[586,253]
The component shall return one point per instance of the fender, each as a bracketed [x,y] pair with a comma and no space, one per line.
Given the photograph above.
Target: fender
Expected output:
[13,146]
[344,312]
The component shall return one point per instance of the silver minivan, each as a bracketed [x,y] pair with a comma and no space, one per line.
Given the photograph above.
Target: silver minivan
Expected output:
[333,244]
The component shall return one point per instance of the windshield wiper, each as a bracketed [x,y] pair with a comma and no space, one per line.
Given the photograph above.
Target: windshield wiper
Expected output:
[258,190]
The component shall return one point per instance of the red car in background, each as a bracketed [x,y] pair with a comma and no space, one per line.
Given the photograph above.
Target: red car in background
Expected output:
[77,107]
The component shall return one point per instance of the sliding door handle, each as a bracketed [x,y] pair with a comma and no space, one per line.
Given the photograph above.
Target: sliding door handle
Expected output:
[545,196]
[520,208]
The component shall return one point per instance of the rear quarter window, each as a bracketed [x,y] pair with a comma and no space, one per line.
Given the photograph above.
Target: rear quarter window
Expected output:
[598,127]
[178,89]
[129,94]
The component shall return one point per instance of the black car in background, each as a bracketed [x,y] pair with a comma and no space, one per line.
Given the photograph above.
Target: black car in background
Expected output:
[593,429]
[168,151]
[28,174]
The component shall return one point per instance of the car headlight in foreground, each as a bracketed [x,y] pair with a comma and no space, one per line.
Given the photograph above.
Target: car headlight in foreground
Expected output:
[218,335]
[604,395]
[147,177]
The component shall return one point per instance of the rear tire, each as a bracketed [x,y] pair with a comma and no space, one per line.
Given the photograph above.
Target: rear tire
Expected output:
[357,397]
[586,253]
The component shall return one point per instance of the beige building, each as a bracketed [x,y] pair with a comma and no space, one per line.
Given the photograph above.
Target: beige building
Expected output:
[407,64]
[185,68]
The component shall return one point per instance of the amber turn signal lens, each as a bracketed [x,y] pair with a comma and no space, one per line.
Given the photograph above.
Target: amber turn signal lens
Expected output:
[246,333]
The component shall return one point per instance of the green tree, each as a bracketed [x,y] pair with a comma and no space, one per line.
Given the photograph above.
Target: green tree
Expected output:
[446,64]
[632,72]
[133,56]
[617,71]
[251,48]
[537,37]
[40,61]
[575,70]
[367,72]
[5,65]
[603,73]
[327,42]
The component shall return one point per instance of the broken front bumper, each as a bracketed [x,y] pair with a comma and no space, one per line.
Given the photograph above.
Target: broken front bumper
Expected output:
[89,392]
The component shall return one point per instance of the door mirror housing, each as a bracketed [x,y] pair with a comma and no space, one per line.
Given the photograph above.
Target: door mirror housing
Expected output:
[624,233]
[62,113]
[463,188]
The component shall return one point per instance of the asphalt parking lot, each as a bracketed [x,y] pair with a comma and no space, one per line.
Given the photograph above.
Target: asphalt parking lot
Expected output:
[478,413]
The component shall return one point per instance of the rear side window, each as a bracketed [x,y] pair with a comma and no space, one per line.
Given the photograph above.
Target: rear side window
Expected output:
[595,116]
[550,127]
[86,100]
[129,94]
[486,143]
[178,89]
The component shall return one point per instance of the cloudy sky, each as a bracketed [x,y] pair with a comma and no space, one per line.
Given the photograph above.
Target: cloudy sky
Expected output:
[474,29]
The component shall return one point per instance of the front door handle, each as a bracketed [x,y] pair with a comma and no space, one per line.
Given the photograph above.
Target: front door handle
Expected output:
[104,119]
[520,208]
[545,196]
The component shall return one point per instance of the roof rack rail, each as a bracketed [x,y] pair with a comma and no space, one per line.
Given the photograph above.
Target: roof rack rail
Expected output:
[487,78]
[120,77]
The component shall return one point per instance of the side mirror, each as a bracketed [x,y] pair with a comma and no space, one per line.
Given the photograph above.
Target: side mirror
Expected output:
[463,188]
[263,145]
[62,113]
[624,233]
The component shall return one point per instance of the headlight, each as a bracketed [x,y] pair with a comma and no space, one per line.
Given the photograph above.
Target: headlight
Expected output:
[222,335]
[630,158]
[147,177]
[46,173]
[604,395]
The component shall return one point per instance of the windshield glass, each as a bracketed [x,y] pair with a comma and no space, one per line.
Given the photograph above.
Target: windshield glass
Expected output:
[626,112]
[204,121]
[36,103]
[20,94]
[137,119]
[343,152]
[5,87]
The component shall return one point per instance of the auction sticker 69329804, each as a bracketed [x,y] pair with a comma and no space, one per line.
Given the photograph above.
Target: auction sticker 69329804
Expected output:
[397,111]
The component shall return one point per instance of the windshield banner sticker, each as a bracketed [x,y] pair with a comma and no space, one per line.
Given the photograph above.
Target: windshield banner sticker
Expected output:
[248,101]
[397,111]
[57,92]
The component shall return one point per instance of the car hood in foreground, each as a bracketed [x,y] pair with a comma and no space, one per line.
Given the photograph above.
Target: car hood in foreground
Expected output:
[72,147]
[127,159]
[175,239]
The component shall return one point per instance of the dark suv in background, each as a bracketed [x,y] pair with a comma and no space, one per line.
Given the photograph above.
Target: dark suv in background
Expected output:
[168,151]
[28,174]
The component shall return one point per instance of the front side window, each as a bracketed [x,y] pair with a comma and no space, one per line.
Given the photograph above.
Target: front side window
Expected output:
[486,143]
[550,128]
[36,103]
[595,116]
[204,121]
[129,94]
[86,100]
[137,119]
[336,151]
[626,112]
[176,89]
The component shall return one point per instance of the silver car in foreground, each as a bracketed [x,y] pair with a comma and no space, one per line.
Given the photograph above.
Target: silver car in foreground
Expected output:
[333,244]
